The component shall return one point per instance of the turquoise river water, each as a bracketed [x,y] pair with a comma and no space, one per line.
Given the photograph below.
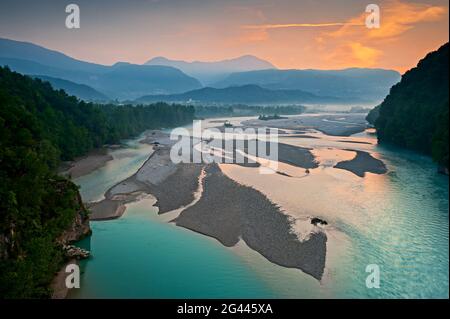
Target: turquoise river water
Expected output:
[398,221]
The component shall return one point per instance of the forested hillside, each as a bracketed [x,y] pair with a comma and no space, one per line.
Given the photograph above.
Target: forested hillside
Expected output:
[39,127]
[82,91]
[415,113]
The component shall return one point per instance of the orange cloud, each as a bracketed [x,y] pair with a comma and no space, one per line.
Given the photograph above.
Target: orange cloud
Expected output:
[353,54]
[300,25]
[396,18]
[349,42]
[364,47]
[260,32]
[400,17]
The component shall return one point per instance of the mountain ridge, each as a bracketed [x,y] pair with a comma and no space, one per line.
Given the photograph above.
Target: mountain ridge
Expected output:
[81,91]
[250,94]
[371,85]
[127,81]
[30,59]
[211,71]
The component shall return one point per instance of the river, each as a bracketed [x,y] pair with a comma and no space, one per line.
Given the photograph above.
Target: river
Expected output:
[398,221]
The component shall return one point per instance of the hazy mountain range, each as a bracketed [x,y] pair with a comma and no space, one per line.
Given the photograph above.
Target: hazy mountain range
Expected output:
[210,72]
[171,80]
[246,94]
[82,91]
[366,84]
[119,81]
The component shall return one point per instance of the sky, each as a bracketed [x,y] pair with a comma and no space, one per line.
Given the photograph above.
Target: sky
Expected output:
[291,34]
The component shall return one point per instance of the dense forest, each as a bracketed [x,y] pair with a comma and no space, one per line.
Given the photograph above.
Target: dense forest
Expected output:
[39,127]
[415,113]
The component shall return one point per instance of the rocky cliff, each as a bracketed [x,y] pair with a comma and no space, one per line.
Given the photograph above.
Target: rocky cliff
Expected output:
[80,227]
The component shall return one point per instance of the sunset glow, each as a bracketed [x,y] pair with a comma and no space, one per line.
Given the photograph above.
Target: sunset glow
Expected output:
[290,34]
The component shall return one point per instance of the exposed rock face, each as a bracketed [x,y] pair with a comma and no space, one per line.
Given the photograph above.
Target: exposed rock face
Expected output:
[62,205]
[78,230]
[80,226]
[72,251]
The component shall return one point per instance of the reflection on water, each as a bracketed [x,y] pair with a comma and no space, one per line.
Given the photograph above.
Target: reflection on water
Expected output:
[398,220]
[125,162]
[140,256]
[329,157]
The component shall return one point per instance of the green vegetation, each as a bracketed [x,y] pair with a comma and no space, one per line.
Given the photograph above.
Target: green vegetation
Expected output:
[415,113]
[82,91]
[373,115]
[39,127]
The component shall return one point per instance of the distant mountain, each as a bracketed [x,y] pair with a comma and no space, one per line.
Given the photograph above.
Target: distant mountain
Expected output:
[81,91]
[210,72]
[247,94]
[32,52]
[370,85]
[121,81]
[31,67]
[131,81]
[415,114]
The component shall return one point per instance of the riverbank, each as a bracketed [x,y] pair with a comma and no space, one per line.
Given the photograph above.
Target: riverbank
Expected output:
[87,164]
[58,284]
[329,124]
[358,210]
[172,184]
[226,210]
[174,187]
